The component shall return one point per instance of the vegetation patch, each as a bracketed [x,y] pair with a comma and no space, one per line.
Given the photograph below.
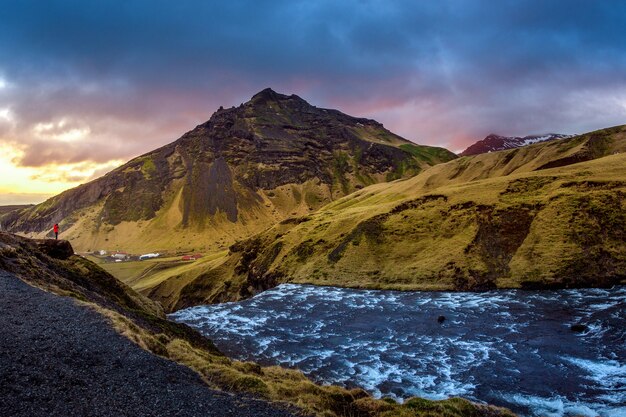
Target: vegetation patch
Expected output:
[594,185]
[148,168]
[527,185]
[341,167]
[304,250]
[500,233]
[295,220]
[597,226]
[431,154]
[372,229]
[415,203]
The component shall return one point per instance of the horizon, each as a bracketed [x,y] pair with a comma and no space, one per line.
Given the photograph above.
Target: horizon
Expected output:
[85,87]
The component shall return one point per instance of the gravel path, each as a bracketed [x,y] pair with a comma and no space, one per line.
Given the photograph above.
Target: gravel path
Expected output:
[61,359]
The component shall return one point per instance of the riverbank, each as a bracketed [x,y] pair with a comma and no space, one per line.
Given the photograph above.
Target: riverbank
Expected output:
[51,266]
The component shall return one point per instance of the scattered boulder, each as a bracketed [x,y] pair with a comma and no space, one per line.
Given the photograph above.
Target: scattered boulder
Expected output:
[59,249]
[578,328]
[441,319]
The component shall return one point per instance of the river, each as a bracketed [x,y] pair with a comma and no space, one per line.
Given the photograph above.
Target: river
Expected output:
[506,347]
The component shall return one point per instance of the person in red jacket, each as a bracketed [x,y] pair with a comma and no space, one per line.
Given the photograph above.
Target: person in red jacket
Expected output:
[56,230]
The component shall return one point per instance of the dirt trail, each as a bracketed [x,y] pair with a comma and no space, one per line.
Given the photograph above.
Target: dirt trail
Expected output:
[58,358]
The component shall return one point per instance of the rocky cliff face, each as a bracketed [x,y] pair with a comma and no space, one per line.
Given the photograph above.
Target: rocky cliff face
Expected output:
[493,143]
[240,172]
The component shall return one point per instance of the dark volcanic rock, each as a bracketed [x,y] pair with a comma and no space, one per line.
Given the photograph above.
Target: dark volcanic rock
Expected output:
[578,328]
[59,249]
[441,319]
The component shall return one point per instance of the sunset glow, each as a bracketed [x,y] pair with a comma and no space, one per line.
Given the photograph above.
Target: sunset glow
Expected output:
[20,184]
[117,82]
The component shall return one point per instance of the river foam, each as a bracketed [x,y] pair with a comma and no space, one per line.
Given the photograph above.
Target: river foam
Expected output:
[510,348]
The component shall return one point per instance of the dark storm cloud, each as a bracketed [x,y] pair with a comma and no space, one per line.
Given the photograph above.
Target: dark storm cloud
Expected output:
[138,74]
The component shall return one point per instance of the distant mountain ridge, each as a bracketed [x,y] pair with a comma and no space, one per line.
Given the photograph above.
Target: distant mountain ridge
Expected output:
[493,142]
[243,170]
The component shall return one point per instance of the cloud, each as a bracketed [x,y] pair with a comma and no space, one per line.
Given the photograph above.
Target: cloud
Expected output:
[101,81]
[61,131]
[10,198]
[75,172]
[5,115]
[44,180]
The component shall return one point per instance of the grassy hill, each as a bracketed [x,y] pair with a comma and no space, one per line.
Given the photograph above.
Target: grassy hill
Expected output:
[239,173]
[544,216]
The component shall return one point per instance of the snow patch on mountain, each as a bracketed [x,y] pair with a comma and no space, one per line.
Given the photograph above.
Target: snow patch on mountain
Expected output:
[493,142]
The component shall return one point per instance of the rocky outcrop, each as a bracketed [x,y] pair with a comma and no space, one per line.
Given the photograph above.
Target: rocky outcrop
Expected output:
[59,249]
[578,328]
[51,264]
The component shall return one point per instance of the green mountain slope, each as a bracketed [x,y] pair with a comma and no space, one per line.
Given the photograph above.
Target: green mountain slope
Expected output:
[548,215]
[237,174]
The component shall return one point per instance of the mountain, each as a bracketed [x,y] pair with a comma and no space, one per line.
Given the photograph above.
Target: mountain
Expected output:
[493,142]
[550,215]
[11,208]
[75,341]
[242,171]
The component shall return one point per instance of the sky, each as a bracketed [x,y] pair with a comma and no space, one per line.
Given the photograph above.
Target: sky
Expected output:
[87,85]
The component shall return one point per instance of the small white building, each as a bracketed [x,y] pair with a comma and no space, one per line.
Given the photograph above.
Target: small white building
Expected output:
[149,256]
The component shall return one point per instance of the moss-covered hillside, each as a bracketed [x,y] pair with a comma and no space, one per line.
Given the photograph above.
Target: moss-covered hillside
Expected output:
[242,171]
[546,216]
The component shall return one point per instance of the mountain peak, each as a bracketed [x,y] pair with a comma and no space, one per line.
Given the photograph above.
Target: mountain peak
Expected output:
[267,94]
[494,142]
